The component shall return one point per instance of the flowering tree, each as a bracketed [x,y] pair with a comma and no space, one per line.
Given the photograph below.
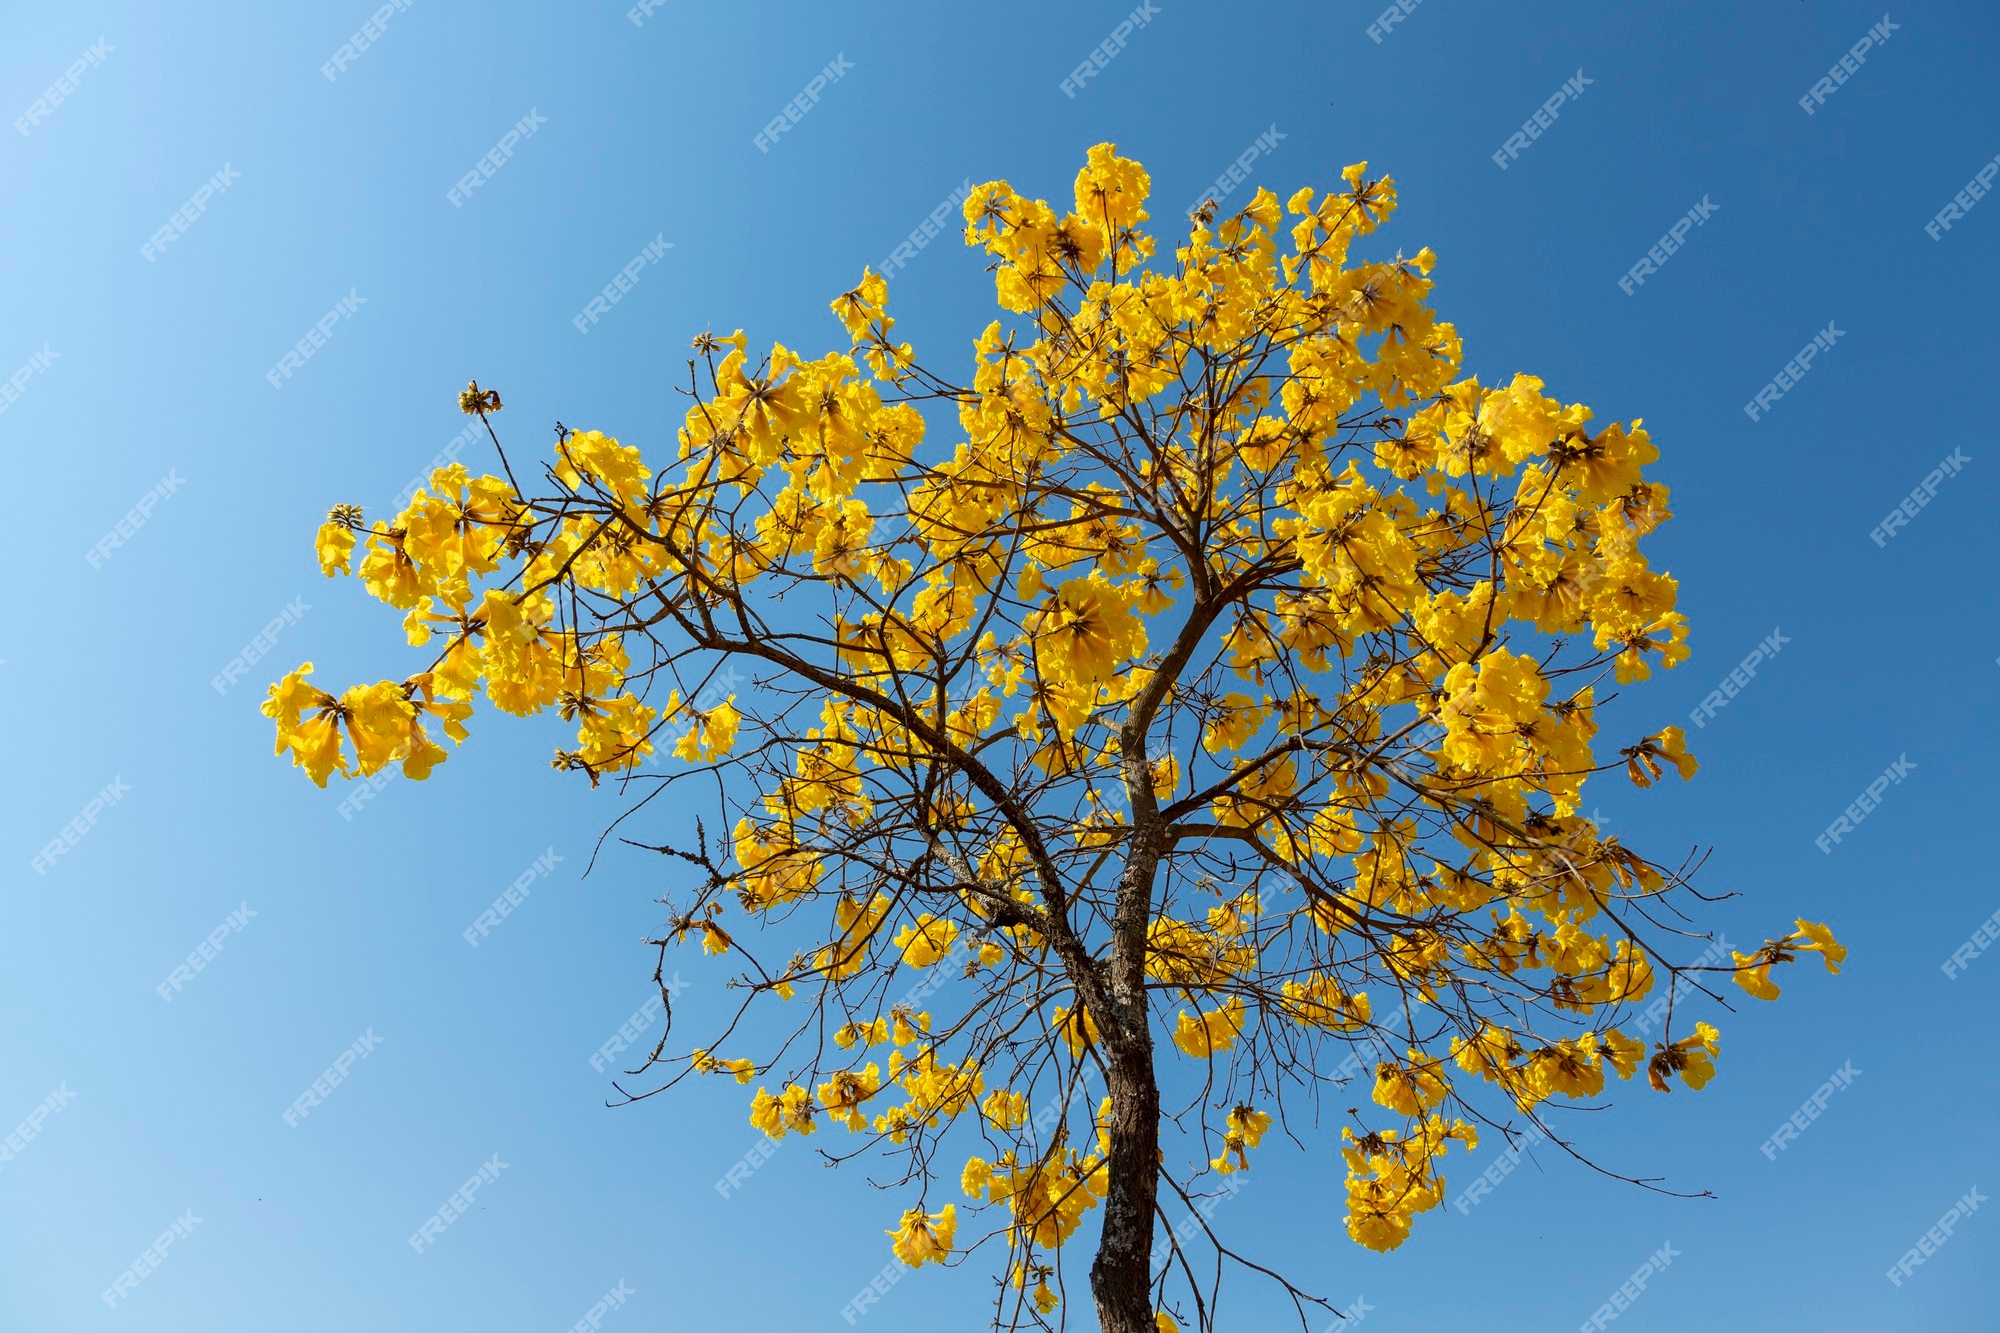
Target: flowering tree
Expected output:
[1216,702]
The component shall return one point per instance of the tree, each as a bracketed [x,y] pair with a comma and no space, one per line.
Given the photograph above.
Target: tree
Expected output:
[1217,703]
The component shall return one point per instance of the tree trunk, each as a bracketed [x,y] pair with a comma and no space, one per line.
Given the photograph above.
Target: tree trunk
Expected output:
[1120,1277]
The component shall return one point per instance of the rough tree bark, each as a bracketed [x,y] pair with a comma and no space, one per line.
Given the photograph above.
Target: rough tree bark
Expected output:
[1120,1275]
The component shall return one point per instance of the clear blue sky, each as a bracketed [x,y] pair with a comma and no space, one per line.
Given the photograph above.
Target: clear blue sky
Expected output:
[341,189]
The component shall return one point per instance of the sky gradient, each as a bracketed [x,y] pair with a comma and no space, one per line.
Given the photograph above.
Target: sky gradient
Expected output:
[152,392]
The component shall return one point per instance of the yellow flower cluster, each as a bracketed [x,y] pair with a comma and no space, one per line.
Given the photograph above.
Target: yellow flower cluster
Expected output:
[1244,1130]
[1753,971]
[1047,1198]
[1570,1067]
[925,1237]
[1391,1178]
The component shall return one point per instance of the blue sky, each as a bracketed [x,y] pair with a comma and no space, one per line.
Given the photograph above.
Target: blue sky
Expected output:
[148,377]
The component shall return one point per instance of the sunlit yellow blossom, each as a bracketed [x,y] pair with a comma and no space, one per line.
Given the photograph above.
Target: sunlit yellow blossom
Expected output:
[1210,1032]
[925,1237]
[1244,1129]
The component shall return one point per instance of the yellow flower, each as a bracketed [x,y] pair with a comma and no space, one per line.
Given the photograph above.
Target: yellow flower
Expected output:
[1642,760]
[1244,1129]
[1753,974]
[705,1063]
[712,733]
[844,1094]
[927,942]
[590,457]
[1086,630]
[1690,1057]
[1077,1027]
[1234,720]
[1005,1110]
[1753,971]
[907,1026]
[335,546]
[1391,1178]
[1700,1051]
[791,1110]
[1623,1052]
[868,1034]
[1409,1088]
[925,1238]
[1819,939]
[314,743]
[1210,1033]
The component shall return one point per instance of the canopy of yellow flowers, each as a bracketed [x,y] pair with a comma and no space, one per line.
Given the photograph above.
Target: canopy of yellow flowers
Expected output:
[1257,469]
